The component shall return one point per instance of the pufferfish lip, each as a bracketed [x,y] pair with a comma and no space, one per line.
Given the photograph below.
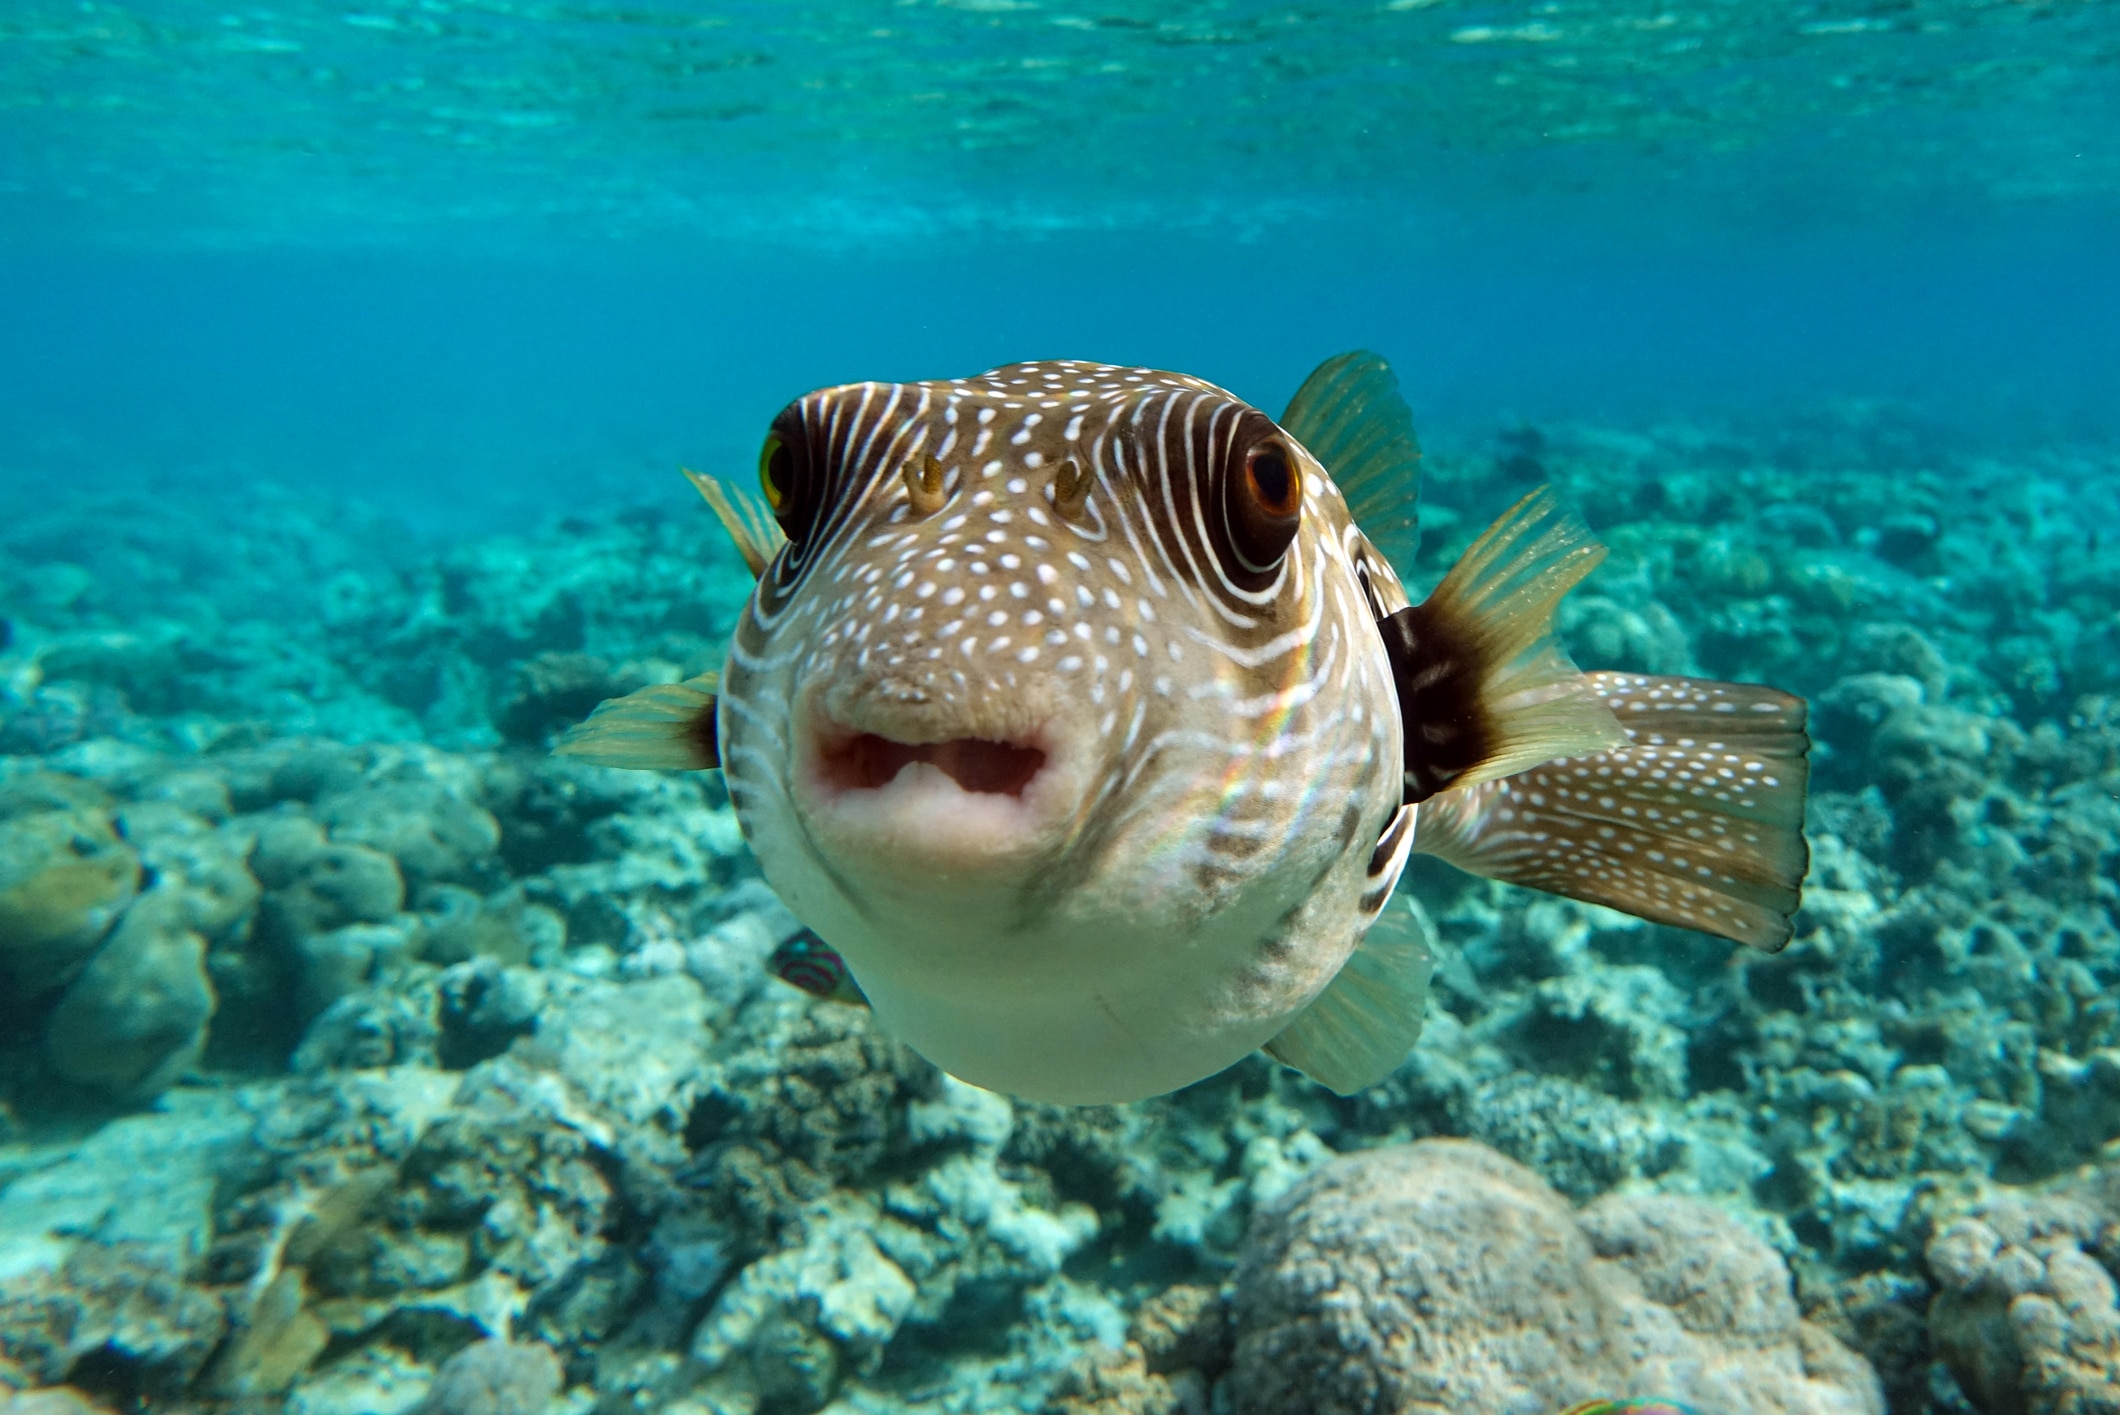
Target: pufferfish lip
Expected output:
[901,788]
[870,761]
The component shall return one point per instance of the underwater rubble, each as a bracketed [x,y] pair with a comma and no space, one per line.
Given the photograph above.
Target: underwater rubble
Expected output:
[358,1056]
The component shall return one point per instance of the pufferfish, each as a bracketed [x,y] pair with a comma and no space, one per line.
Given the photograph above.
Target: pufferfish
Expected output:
[1082,711]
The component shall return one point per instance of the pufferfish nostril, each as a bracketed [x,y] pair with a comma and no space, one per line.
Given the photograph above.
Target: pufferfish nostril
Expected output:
[923,485]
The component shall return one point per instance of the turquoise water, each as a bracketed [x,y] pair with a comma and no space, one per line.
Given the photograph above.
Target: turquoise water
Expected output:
[355,1051]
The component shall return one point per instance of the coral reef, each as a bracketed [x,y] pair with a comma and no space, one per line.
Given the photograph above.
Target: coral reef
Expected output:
[355,1054]
[2026,1315]
[1440,1275]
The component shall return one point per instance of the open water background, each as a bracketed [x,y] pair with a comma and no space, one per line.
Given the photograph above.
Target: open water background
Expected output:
[473,259]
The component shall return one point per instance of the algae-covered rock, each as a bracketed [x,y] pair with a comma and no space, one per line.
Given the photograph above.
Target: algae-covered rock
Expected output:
[434,833]
[330,887]
[331,965]
[370,1028]
[2027,1317]
[554,690]
[50,1400]
[135,1020]
[279,1340]
[111,1313]
[65,876]
[791,1325]
[495,1378]
[1441,1275]
[181,846]
[505,927]
[1177,1345]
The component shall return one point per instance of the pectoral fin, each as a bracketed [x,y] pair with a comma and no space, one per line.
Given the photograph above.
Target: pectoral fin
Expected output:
[752,529]
[1696,821]
[1484,691]
[667,727]
[1357,1031]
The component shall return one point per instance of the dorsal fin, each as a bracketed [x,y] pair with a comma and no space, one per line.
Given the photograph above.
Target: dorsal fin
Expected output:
[1484,690]
[1349,415]
[665,727]
[757,536]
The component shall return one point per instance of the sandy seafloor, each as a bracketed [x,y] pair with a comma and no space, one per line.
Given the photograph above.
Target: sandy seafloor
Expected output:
[347,1028]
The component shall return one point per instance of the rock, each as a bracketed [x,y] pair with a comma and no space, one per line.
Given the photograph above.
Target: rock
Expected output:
[1177,1345]
[371,1380]
[145,1182]
[135,1020]
[367,1029]
[65,877]
[1908,539]
[434,834]
[113,1312]
[791,1325]
[555,690]
[51,1400]
[1441,1275]
[1847,715]
[523,1165]
[331,965]
[333,886]
[637,1050]
[181,847]
[278,1342]
[2026,1316]
[495,1378]
[506,927]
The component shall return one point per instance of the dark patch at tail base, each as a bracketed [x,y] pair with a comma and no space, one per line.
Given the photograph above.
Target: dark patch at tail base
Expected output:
[1439,672]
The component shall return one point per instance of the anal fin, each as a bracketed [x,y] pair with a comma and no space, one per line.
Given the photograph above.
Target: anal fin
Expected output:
[666,727]
[1696,821]
[1358,1031]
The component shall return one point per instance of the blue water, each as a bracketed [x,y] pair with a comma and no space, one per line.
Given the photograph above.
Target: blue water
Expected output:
[348,355]
[500,249]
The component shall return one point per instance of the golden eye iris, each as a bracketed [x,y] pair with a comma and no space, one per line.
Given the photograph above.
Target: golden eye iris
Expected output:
[776,472]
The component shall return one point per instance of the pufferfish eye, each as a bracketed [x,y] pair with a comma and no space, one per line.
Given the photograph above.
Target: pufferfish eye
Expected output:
[784,477]
[1264,504]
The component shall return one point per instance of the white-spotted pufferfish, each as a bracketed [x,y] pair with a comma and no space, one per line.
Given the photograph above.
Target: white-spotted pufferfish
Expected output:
[1082,711]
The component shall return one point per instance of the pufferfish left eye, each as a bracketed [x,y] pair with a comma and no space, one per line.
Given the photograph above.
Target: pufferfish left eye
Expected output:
[1263,503]
[784,475]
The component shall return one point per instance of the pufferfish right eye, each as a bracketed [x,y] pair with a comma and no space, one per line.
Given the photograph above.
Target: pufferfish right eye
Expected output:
[1263,501]
[784,475]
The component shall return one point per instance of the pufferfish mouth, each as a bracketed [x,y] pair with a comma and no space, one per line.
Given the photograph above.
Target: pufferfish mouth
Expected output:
[869,761]
[917,786]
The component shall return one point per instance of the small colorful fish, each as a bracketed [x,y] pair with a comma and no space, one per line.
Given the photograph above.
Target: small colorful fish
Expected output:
[1629,1407]
[808,962]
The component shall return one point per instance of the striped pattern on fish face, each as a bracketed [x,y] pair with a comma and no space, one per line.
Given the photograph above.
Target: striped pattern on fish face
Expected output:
[1086,787]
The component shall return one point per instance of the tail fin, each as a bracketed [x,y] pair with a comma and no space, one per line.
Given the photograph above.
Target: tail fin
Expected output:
[1697,821]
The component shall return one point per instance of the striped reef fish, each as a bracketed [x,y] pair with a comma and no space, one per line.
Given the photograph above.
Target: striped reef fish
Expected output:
[1082,710]
[806,961]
